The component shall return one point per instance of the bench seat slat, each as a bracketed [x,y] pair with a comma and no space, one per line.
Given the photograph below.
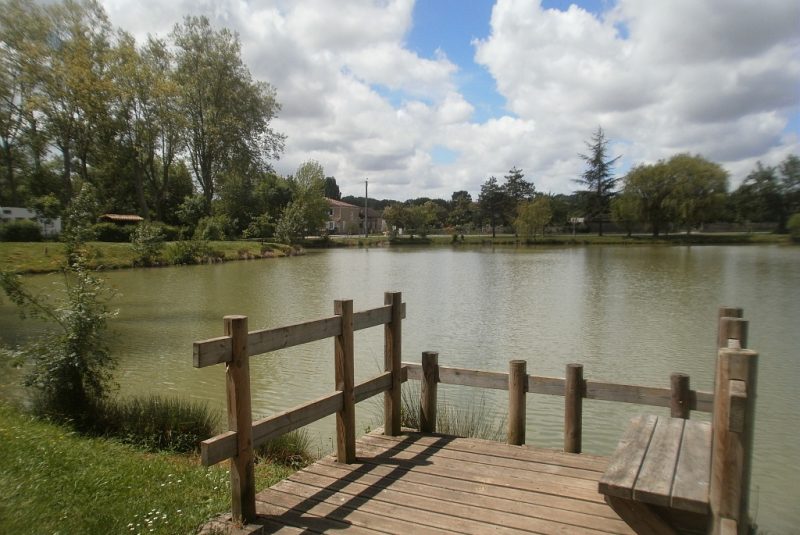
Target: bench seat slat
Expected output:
[620,476]
[654,483]
[691,484]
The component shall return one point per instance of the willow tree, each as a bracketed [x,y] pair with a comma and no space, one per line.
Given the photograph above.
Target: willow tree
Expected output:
[598,179]
[228,113]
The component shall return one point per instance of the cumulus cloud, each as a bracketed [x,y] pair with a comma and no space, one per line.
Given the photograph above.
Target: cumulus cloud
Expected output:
[715,77]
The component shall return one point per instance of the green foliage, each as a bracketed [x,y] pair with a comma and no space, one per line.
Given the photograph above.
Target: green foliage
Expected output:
[156,423]
[533,217]
[214,228]
[699,189]
[262,226]
[794,227]
[291,449]
[189,252]
[111,232]
[625,211]
[308,186]
[420,218]
[598,178]
[81,213]
[291,226]
[493,202]
[147,241]
[20,231]
[71,366]
[192,210]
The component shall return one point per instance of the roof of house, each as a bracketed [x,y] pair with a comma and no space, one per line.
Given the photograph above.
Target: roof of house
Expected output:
[126,218]
[335,202]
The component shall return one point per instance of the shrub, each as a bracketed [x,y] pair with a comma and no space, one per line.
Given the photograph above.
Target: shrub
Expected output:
[794,227]
[157,423]
[170,232]
[111,232]
[214,228]
[190,252]
[291,449]
[72,366]
[147,241]
[22,230]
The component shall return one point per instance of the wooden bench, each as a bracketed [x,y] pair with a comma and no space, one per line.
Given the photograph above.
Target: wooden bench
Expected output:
[658,478]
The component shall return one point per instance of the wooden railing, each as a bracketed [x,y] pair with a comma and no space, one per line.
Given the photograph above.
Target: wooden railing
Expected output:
[234,350]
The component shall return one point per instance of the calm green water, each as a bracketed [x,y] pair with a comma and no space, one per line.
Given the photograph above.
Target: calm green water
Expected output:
[629,314]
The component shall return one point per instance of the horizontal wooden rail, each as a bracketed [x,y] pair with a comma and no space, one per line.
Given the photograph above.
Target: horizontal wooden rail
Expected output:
[223,446]
[218,350]
[554,386]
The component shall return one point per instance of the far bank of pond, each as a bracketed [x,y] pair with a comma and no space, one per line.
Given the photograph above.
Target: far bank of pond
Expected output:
[629,314]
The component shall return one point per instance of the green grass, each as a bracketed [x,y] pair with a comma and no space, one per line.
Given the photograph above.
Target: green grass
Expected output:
[54,481]
[44,257]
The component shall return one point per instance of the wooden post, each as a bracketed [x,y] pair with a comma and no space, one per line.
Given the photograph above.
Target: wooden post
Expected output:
[427,393]
[517,386]
[729,327]
[346,418]
[240,419]
[573,408]
[732,441]
[679,396]
[391,362]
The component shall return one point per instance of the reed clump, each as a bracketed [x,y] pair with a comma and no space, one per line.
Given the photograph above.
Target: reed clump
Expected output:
[292,449]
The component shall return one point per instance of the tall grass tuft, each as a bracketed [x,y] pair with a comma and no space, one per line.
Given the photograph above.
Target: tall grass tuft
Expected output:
[157,423]
[291,449]
[474,421]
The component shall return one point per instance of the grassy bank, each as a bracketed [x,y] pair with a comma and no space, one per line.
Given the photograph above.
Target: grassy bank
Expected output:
[54,481]
[43,257]
[564,240]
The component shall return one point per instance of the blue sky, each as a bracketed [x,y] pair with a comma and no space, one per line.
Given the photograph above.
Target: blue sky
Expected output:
[431,97]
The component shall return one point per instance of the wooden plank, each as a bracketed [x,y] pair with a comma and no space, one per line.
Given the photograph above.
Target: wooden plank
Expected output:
[566,511]
[237,383]
[223,446]
[448,513]
[690,486]
[392,362]
[343,375]
[553,386]
[700,400]
[521,464]
[492,449]
[736,414]
[296,417]
[642,395]
[517,385]
[268,340]
[620,476]
[372,387]
[640,517]
[356,510]
[366,319]
[212,351]
[558,499]
[654,482]
[475,378]
[413,371]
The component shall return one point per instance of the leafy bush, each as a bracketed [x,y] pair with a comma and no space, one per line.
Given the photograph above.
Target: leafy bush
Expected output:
[111,232]
[157,423]
[262,226]
[190,252]
[22,230]
[170,232]
[214,228]
[147,241]
[291,449]
[794,227]
[72,366]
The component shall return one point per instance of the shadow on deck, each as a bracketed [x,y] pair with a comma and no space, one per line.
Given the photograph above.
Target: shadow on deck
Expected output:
[430,483]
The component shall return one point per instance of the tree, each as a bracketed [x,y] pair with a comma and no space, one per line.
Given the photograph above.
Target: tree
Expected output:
[308,186]
[493,201]
[395,217]
[625,209]
[462,210]
[759,198]
[650,187]
[598,178]
[332,189]
[517,190]
[533,216]
[228,113]
[420,217]
[699,189]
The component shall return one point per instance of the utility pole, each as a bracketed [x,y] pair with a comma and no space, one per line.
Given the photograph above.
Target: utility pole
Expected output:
[366,215]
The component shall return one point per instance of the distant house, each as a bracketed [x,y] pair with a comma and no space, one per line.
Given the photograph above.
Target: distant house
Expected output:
[50,227]
[121,219]
[345,218]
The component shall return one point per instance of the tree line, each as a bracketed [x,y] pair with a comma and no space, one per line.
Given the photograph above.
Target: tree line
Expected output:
[177,130]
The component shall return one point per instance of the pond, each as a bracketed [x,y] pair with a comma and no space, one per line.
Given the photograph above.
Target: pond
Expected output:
[629,314]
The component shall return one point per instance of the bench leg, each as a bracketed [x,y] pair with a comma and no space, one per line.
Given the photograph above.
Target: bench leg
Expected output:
[640,517]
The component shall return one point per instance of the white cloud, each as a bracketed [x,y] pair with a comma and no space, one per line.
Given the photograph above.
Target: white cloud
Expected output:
[716,77]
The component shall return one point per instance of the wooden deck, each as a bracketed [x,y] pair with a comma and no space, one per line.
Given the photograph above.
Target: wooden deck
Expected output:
[418,483]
